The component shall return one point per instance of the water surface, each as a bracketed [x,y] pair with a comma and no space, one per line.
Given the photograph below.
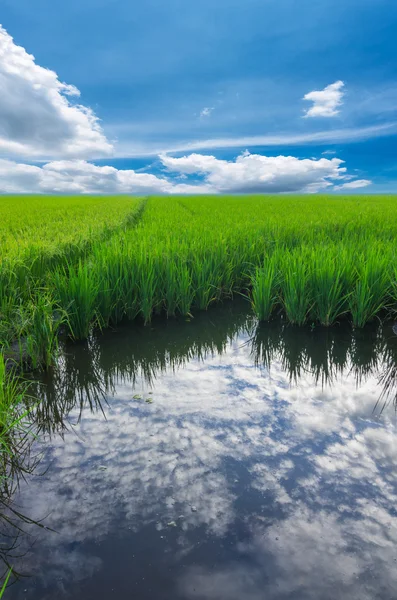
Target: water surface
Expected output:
[214,460]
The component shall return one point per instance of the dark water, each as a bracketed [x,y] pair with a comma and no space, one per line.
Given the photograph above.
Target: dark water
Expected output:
[263,466]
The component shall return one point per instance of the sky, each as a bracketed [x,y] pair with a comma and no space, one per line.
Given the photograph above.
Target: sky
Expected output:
[176,96]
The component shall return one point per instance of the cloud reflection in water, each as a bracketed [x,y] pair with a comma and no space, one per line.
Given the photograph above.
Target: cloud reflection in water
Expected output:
[260,469]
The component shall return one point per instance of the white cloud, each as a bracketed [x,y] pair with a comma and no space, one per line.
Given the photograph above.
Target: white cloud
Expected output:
[326,102]
[81,177]
[257,173]
[349,134]
[317,468]
[248,173]
[38,121]
[206,112]
[351,185]
[36,118]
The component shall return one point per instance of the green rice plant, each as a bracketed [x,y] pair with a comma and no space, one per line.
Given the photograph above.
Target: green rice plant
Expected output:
[44,322]
[328,277]
[13,397]
[296,290]
[75,290]
[146,285]
[126,257]
[186,290]
[265,292]
[371,291]
[206,273]
[393,288]
[3,587]
[110,270]
[171,286]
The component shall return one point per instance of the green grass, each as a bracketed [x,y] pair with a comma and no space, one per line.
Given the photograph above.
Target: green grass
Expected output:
[315,259]
[3,587]
[14,408]
[265,284]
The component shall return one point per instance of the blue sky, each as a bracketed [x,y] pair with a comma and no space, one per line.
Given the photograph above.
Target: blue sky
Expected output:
[213,78]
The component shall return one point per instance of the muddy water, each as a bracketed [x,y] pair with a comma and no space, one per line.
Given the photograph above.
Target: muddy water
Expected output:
[212,460]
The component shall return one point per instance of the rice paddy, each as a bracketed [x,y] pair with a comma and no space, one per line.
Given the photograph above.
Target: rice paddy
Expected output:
[304,264]
[70,264]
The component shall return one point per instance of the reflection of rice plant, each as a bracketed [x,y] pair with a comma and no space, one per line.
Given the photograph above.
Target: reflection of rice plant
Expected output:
[327,352]
[16,439]
[13,411]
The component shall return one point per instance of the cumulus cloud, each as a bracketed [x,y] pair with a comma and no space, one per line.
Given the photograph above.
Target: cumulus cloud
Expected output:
[326,102]
[40,121]
[257,173]
[82,177]
[37,119]
[249,173]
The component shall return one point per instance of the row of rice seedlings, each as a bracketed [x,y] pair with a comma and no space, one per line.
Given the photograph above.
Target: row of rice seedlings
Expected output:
[124,281]
[323,285]
[24,264]
[372,288]
[76,291]
[173,265]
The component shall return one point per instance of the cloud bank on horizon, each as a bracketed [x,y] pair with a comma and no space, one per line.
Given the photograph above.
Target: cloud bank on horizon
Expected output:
[52,143]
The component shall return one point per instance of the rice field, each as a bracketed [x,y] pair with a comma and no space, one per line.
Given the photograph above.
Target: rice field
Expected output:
[70,264]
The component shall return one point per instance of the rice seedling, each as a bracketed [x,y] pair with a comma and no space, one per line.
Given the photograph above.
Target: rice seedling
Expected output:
[75,290]
[186,296]
[171,286]
[146,285]
[206,279]
[328,276]
[3,587]
[265,293]
[371,291]
[45,319]
[295,286]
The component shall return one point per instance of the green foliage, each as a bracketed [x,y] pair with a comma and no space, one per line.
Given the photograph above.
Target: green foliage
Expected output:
[76,289]
[13,393]
[44,319]
[295,285]
[371,291]
[265,288]
[317,258]
[3,587]
[330,269]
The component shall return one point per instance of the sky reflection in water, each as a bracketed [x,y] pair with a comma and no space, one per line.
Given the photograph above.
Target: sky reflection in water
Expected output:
[263,469]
